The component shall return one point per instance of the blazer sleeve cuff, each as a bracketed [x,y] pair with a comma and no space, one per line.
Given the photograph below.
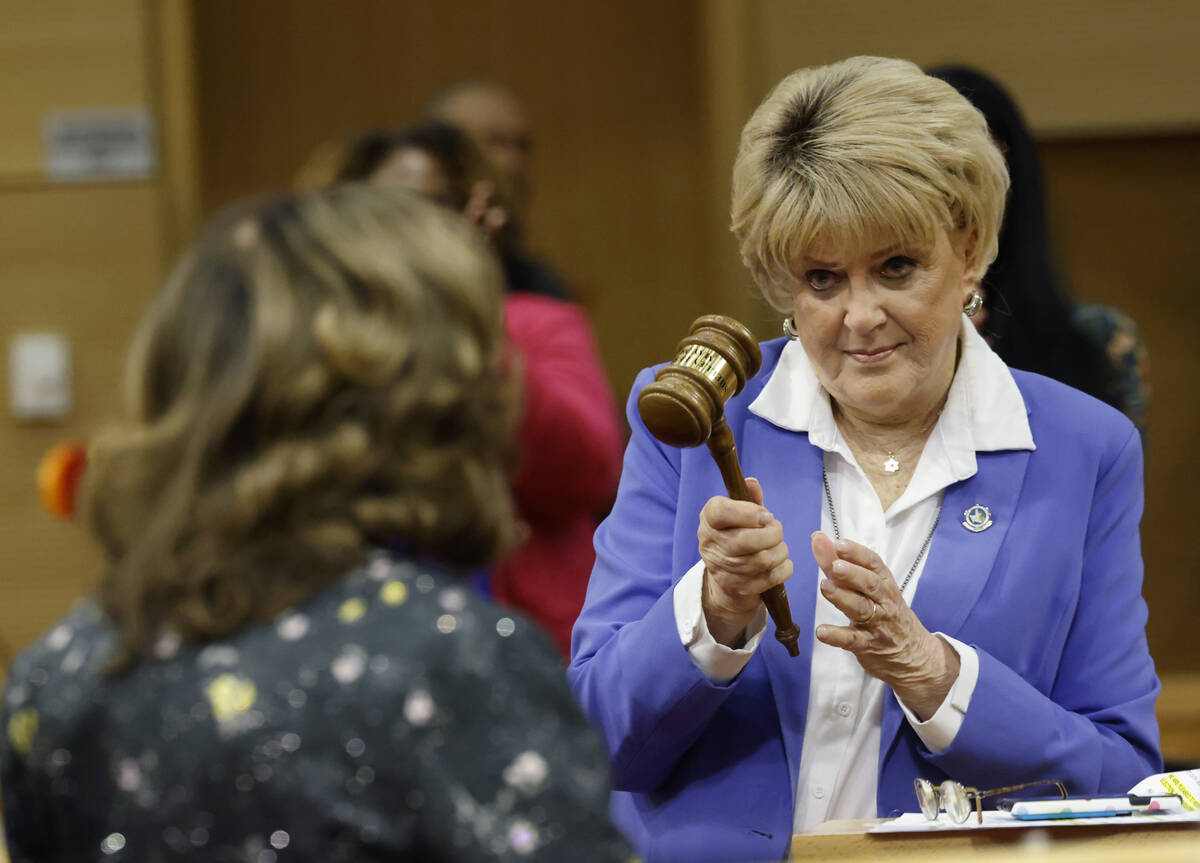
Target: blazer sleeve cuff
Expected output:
[939,730]
[720,664]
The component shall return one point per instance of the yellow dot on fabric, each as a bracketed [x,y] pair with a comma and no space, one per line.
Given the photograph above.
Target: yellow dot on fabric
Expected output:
[230,695]
[351,610]
[394,593]
[22,728]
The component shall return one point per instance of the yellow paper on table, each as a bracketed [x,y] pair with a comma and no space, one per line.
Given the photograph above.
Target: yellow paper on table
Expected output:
[1185,783]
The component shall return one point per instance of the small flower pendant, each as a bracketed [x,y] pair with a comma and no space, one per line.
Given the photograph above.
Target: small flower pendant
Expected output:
[891,465]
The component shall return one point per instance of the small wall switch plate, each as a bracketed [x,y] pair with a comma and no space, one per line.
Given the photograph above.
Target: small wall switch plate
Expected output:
[40,376]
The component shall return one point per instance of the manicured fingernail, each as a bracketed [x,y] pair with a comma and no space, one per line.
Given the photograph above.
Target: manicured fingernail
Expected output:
[842,545]
[826,586]
[764,517]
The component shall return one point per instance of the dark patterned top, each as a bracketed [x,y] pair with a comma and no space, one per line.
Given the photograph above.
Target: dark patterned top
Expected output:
[394,716]
[1117,335]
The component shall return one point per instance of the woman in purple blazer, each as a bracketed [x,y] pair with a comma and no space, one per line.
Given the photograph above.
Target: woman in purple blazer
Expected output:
[963,537]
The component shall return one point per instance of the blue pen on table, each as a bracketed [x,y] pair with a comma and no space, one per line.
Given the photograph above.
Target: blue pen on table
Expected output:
[1045,808]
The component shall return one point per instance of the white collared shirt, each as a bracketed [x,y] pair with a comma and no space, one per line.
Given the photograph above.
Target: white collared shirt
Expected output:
[984,412]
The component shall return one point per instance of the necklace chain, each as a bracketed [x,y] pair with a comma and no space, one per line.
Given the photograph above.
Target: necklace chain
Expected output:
[920,554]
[891,464]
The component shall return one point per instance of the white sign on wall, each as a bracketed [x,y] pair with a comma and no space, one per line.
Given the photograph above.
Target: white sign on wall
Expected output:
[99,144]
[40,375]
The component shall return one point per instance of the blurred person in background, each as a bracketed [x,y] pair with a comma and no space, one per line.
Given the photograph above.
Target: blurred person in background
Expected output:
[281,659]
[1029,317]
[569,434]
[497,122]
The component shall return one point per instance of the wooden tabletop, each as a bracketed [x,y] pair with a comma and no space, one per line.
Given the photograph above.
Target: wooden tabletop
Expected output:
[849,840]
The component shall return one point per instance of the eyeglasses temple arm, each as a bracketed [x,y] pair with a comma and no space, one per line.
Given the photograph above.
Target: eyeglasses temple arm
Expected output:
[1061,789]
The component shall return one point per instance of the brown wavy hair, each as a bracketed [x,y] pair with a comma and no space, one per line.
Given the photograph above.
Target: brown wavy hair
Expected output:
[319,376]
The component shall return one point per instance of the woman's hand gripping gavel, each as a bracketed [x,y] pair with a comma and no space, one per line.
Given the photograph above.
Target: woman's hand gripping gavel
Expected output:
[685,407]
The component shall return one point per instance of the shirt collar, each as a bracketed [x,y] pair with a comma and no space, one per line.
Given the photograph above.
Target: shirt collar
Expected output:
[984,409]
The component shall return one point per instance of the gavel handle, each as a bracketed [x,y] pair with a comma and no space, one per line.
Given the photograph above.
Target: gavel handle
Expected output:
[724,453]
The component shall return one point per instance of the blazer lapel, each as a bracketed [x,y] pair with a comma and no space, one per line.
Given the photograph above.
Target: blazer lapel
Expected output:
[790,472]
[961,560]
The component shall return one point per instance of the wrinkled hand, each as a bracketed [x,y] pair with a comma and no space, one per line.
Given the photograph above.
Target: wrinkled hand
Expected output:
[743,551]
[884,634]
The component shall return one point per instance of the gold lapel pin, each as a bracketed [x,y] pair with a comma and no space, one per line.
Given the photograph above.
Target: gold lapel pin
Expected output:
[977,518]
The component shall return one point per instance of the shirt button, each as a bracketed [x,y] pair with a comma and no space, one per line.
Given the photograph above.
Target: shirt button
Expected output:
[845,709]
[818,791]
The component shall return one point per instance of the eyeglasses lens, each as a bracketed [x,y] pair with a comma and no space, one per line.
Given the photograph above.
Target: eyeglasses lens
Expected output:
[927,797]
[956,801]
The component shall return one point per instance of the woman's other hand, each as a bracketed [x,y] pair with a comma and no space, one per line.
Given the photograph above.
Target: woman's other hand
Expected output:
[743,551]
[884,634]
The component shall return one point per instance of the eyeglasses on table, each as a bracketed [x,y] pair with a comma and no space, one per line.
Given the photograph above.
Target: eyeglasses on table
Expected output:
[955,798]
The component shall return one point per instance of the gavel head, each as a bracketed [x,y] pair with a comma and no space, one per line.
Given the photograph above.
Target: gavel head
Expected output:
[711,365]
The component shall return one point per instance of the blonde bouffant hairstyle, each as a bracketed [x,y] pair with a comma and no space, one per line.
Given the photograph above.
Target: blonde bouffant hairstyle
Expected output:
[319,376]
[866,147]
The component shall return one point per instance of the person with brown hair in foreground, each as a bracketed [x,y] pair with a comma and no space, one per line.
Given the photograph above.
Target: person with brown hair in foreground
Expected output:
[280,661]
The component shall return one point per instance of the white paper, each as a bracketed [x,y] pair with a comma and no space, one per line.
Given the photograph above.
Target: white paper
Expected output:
[915,822]
[1185,783]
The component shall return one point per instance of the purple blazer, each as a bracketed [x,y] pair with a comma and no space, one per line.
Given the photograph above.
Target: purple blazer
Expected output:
[1049,595]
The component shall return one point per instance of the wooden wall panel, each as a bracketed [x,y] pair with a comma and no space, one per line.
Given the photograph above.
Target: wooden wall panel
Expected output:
[82,261]
[1123,216]
[77,258]
[732,83]
[172,60]
[1178,710]
[64,54]
[1076,66]
[613,90]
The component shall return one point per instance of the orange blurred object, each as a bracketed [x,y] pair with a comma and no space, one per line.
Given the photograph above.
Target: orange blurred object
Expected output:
[58,477]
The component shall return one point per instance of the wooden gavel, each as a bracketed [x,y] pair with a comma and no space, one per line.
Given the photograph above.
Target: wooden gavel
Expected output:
[685,407]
